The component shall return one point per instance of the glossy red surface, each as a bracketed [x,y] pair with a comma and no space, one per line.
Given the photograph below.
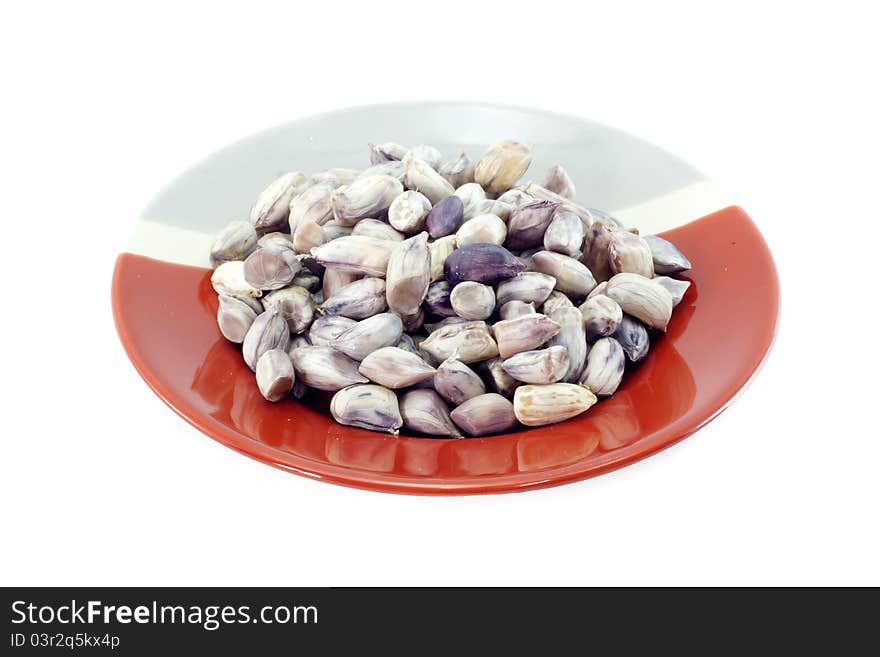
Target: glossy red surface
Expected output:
[717,339]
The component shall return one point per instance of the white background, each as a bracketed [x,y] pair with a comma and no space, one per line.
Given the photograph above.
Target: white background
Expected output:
[102,484]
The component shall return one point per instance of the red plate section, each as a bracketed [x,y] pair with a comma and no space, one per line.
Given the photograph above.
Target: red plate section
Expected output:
[717,339]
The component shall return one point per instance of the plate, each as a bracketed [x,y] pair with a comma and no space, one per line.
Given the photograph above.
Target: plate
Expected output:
[719,335]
